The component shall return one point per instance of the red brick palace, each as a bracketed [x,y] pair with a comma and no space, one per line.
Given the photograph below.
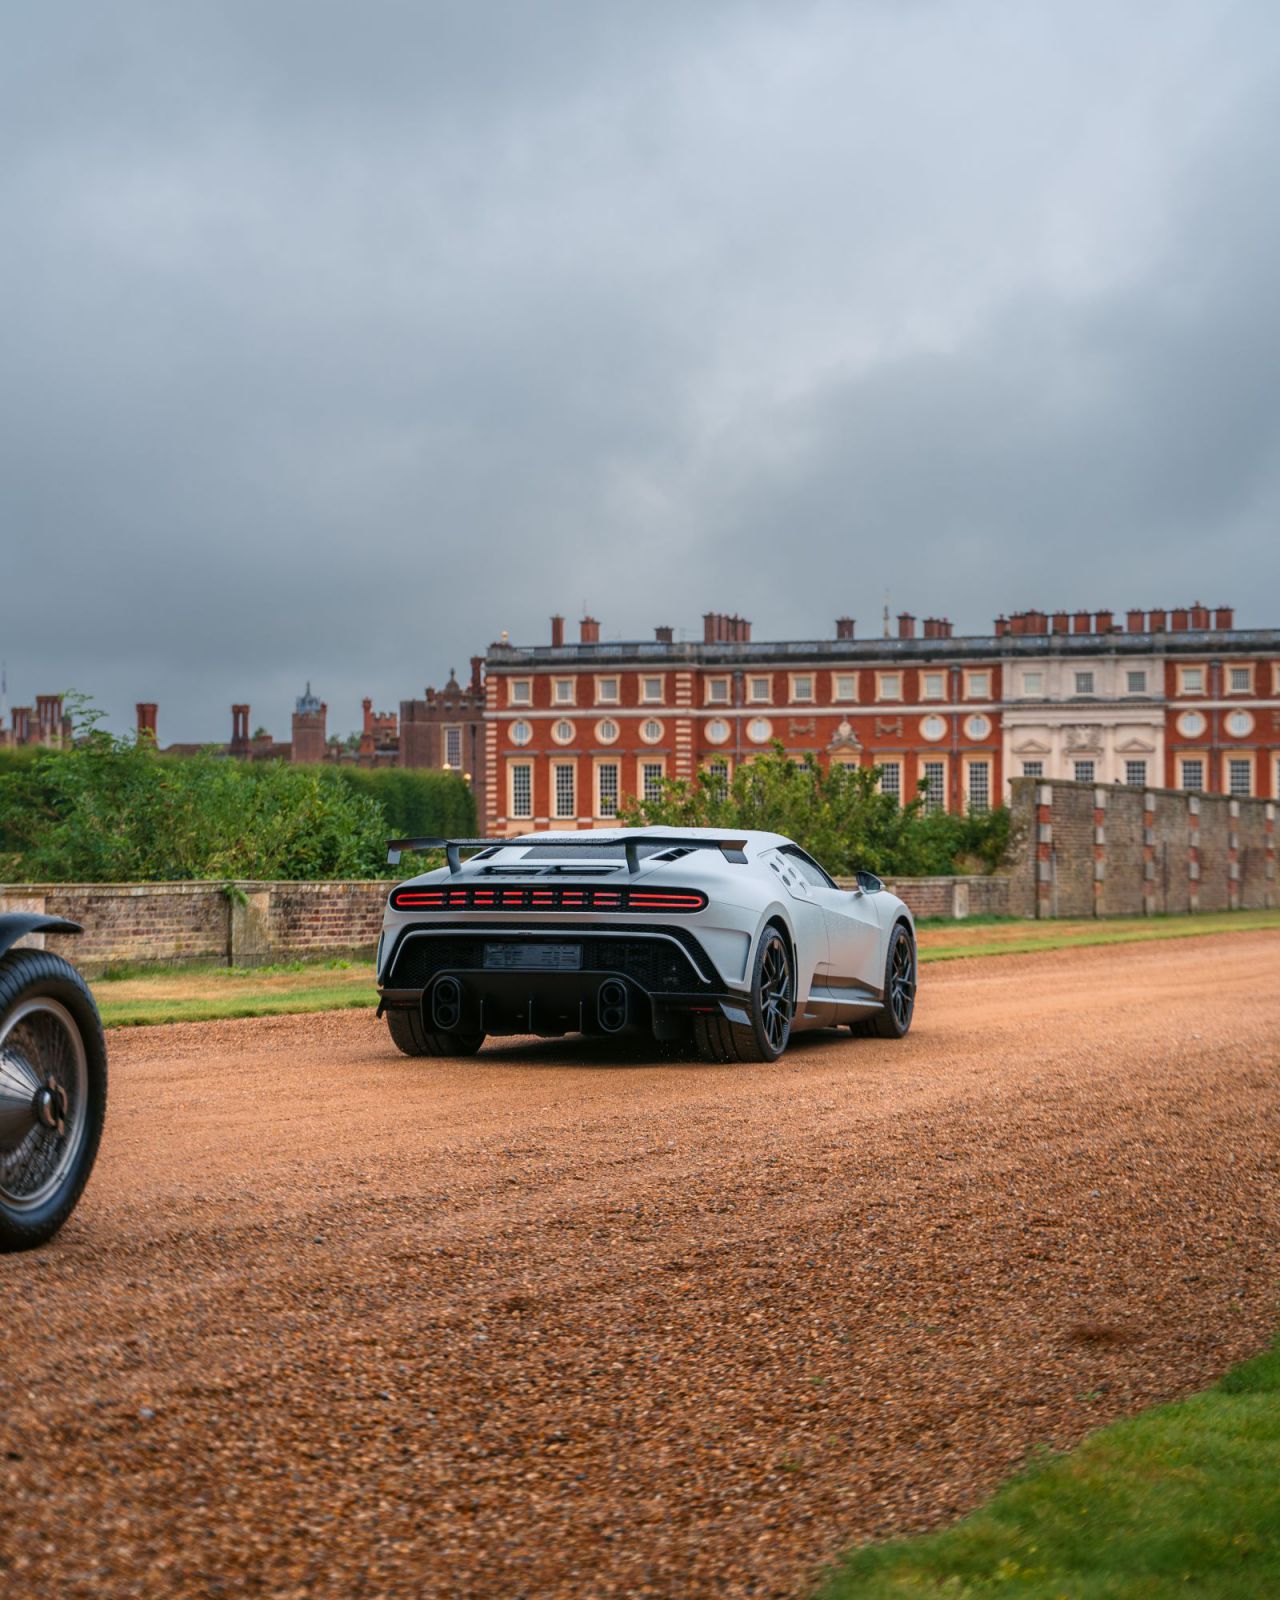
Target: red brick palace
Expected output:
[1177,699]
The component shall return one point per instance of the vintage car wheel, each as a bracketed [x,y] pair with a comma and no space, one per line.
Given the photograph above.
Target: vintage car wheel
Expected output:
[773,995]
[53,1094]
[894,1021]
[412,1035]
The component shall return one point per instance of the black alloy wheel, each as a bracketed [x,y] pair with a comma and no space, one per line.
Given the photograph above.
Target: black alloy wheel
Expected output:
[773,1005]
[411,1034]
[894,1021]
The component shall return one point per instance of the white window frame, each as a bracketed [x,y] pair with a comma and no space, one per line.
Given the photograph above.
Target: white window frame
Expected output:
[838,694]
[1084,761]
[512,809]
[520,692]
[1032,685]
[1191,761]
[977,684]
[603,696]
[883,696]
[759,690]
[712,691]
[926,693]
[1247,686]
[1130,674]
[645,771]
[1033,768]
[1185,676]
[1232,767]
[452,732]
[557,810]
[559,697]
[1132,782]
[1086,681]
[716,763]
[972,769]
[796,697]
[601,767]
[894,786]
[653,699]
[935,800]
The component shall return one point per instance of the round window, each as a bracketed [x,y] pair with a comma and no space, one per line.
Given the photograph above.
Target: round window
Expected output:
[1239,724]
[977,727]
[562,733]
[759,730]
[651,731]
[933,728]
[1191,724]
[521,733]
[606,730]
[718,730]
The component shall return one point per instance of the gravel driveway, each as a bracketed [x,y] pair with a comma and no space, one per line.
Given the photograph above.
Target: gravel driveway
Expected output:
[554,1321]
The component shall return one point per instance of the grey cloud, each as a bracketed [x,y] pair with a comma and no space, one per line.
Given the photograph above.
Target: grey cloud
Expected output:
[339,340]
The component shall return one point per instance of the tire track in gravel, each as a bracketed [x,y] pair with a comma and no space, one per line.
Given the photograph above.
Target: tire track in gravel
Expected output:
[565,1321]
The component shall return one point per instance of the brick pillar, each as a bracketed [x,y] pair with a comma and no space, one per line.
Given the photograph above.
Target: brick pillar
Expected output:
[1193,852]
[1233,855]
[1149,855]
[1099,849]
[684,723]
[1044,850]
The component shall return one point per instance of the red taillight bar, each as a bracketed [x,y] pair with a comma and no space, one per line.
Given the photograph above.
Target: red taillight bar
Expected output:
[476,897]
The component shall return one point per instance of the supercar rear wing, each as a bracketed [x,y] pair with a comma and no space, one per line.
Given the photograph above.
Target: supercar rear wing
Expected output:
[731,849]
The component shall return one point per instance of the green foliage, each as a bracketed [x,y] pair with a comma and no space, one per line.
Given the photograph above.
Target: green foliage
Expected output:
[837,814]
[1183,1499]
[415,802]
[111,810]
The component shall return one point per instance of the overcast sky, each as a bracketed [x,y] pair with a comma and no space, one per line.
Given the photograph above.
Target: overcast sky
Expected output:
[339,338]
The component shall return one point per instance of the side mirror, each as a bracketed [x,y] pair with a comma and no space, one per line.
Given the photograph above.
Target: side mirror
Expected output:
[869,883]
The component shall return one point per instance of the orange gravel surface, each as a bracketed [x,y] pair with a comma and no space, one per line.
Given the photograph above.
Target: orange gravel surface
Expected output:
[566,1321]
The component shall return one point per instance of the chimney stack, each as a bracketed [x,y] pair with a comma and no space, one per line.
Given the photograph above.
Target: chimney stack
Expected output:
[1081,622]
[1061,622]
[146,710]
[1158,622]
[1178,621]
[1199,615]
[589,631]
[1224,617]
[1002,627]
[1104,621]
[906,625]
[477,676]
[1135,621]
[664,634]
[844,627]
[557,632]
[239,728]
[718,627]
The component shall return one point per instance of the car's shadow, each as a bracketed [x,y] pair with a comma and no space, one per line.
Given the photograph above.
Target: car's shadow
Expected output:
[628,1051]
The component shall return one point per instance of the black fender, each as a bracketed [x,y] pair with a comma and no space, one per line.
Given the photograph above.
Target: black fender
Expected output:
[15,925]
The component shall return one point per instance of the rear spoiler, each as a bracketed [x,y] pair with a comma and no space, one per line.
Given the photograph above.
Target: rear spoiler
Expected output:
[731,849]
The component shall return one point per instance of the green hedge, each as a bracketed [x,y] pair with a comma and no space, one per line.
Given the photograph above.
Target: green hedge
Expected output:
[416,802]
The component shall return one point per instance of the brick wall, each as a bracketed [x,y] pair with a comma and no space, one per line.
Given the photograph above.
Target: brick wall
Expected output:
[1115,851]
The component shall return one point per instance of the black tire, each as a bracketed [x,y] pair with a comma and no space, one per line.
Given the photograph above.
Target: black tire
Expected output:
[53,1094]
[900,972]
[412,1035]
[773,1001]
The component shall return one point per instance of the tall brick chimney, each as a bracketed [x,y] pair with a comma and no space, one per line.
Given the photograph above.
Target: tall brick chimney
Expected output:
[1178,621]
[1199,615]
[239,729]
[477,677]
[557,632]
[906,625]
[1081,622]
[1104,621]
[1158,622]
[589,631]
[663,634]
[844,627]
[1002,627]
[1135,621]
[146,710]
[1061,622]
[1224,617]
[718,627]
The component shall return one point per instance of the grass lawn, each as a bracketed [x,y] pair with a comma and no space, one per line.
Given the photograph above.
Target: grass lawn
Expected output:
[132,996]
[1183,1499]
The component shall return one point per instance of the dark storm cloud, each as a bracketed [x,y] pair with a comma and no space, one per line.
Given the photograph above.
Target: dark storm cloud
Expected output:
[339,339]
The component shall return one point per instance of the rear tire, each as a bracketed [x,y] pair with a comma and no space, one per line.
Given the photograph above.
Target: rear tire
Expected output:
[53,1094]
[411,1034]
[773,992]
[900,969]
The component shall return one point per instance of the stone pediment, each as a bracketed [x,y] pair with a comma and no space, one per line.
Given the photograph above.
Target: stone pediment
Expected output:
[1031,747]
[1136,746]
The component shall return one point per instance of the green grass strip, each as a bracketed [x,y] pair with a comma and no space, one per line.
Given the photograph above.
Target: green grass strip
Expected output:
[1183,1500]
[1106,932]
[143,1013]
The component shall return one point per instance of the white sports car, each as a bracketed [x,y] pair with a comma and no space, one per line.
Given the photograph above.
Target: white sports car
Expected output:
[736,942]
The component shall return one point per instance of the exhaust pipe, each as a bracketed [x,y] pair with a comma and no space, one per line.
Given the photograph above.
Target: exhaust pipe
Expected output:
[611,1006]
[446,1005]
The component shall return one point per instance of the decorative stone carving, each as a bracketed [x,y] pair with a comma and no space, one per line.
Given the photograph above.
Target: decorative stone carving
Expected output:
[845,738]
[888,727]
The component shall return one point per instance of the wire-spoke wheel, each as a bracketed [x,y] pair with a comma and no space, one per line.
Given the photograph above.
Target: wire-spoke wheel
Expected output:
[773,1005]
[53,1085]
[899,987]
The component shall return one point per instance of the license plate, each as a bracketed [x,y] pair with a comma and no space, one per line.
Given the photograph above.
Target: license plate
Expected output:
[538,957]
